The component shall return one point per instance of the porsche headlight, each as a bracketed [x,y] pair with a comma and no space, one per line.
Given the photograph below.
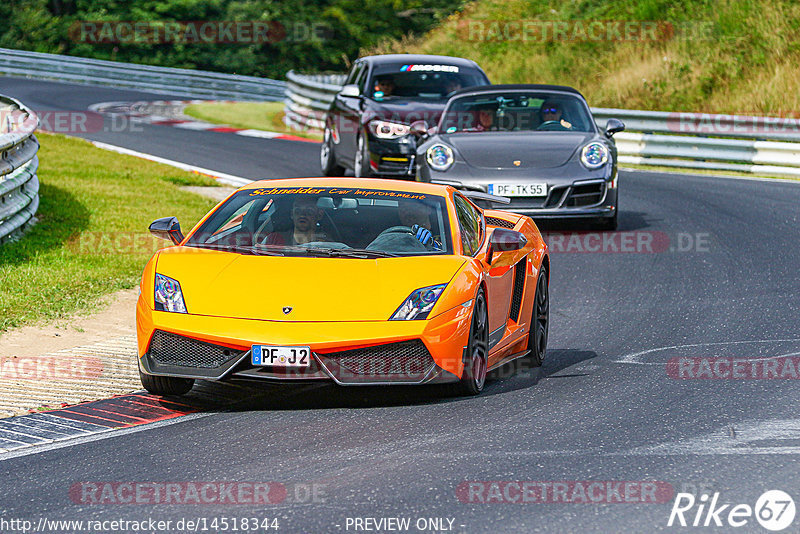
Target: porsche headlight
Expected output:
[168,295]
[594,155]
[418,304]
[388,130]
[440,157]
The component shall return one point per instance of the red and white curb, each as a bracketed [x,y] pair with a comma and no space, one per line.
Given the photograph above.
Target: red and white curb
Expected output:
[142,112]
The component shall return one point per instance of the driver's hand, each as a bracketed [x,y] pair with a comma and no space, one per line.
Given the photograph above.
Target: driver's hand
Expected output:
[422,234]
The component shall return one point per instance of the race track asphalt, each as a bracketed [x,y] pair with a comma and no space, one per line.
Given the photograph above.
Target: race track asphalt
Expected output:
[719,279]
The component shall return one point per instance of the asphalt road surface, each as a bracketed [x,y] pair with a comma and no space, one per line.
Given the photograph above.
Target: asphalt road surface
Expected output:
[702,270]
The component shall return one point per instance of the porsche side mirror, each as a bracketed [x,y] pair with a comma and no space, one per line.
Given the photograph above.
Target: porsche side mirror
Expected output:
[504,240]
[167,228]
[351,90]
[613,126]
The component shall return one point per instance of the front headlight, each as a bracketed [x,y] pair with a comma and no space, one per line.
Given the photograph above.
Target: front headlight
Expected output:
[388,130]
[168,295]
[594,155]
[440,157]
[418,304]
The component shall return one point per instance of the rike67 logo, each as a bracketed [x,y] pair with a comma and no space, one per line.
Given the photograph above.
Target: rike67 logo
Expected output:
[774,510]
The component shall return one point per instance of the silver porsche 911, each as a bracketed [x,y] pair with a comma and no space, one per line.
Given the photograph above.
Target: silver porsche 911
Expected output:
[536,144]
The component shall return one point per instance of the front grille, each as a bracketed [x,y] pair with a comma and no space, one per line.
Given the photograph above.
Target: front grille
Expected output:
[519,286]
[586,195]
[407,358]
[555,196]
[172,349]
[395,167]
[496,221]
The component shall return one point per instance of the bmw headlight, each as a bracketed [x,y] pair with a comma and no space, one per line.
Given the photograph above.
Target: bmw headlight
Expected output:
[440,157]
[594,155]
[168,295]
[388,130]
[418,304]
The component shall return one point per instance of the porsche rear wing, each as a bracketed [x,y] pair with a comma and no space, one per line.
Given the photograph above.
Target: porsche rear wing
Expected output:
[473,192]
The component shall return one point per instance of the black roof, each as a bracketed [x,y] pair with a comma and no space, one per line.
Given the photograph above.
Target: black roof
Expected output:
[516,87]
[418,59]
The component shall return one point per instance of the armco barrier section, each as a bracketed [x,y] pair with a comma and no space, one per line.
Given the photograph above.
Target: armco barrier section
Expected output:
[162,80]
[19,186]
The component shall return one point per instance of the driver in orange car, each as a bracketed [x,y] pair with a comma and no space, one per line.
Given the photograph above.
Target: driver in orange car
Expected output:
[305,229]
[417,216]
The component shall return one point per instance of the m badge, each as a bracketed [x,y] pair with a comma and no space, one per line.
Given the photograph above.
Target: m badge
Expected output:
[287,310]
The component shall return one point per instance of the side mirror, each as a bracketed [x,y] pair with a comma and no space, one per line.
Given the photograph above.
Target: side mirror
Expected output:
[167,228]
[418,128]
[351,90]
[613,126]
[504,240]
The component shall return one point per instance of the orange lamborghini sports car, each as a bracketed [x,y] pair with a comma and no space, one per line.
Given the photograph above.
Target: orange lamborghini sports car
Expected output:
[354,281]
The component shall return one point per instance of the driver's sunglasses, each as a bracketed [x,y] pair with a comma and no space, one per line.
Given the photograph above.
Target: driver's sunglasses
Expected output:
[550,110]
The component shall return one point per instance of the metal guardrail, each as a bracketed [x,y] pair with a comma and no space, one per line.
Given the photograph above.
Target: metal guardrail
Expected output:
[19,186]
[162,80]
[761,145]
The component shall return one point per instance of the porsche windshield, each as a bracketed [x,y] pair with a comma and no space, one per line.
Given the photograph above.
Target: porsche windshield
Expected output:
[517,111]
[328,221]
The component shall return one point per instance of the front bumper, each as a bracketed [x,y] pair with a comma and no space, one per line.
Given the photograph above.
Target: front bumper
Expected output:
[393,157]
[365,353]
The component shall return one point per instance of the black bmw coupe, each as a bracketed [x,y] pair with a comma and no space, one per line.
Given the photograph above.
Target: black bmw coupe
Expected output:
[367,125]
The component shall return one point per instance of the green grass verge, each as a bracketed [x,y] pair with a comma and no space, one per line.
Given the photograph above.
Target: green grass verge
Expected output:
[256,115]
[726,56]
[91,238]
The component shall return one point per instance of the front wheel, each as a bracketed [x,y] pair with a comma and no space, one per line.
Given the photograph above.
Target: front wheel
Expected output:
[475,367]
[166,386]
[540,319]
[361,168]
[327,156]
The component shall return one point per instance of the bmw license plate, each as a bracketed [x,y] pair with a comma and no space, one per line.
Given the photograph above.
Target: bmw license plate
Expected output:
[518,190]
[281,356]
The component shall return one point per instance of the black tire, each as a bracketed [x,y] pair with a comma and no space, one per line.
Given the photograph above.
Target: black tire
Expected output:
[327,157]
[361,168]
[166,386]
[540,320]
[475,367]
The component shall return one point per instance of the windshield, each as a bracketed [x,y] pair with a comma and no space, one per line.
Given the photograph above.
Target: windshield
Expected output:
[517,111]
[338,222]
[433,82]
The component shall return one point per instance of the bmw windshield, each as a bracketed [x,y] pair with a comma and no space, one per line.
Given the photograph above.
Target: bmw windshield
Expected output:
[517,111]
[427,82]
[328,221]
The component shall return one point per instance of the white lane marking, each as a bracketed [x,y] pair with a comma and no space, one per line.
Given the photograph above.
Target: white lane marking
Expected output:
[259,133]
[222,177]
[721,176]
[633,357]
[746,438]
[110,433]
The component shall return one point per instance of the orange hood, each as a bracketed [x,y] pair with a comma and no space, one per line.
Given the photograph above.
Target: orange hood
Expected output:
[225,284]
